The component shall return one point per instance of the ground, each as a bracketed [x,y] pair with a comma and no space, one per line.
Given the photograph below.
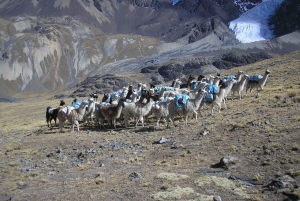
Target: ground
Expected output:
[260,133]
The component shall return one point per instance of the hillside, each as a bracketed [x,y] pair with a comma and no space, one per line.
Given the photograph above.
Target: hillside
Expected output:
[260,134]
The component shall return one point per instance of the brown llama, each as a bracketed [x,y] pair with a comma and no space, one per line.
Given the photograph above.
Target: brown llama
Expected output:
[110,113]
[188,83]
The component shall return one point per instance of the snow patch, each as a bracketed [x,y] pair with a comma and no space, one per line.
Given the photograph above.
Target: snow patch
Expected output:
[253,25]
[62,4]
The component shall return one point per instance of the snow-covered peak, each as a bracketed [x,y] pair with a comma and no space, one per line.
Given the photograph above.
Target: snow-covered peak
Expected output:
[253,25]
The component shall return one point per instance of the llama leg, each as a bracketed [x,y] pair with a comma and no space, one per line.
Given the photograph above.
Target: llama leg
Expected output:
[157,123]
[77,125]
[126,121]
[196,116]
[142,119]
[224,103]
[168,121]
[219,107]
[114,123]
[61,124]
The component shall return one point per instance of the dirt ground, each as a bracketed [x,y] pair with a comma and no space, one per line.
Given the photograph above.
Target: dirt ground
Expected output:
[259,136]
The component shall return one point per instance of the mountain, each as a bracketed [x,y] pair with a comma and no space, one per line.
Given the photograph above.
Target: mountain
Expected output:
[253,25]
[55,45]
[286,19]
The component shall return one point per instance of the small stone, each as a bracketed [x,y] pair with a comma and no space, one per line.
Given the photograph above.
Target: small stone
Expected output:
[135,175]
[217,198]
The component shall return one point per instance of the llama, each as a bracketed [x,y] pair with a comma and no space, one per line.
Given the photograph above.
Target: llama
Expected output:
[124,92]
[94,96]
[239,86]
[72,115]
[239,75]
[188,83]
[51,113]
[176,83]
[200,78]
[191,106]
[227,88]
[217,100]
[138,109]
[90,110]
[160,109]
[110,112]
[130,91]
[258,84]
[200,85]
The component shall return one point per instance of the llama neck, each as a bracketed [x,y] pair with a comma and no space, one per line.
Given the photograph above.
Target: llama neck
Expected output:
[198,100]
[229,86]
[91,106]
[216,82]
[81,111]
[119,110]
[161,92]
[133,98]
[221,94]
[244,79]
[239,77]
[264,79]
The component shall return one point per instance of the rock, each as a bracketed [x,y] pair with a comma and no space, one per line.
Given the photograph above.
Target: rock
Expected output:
[283,182]
[226,162]
[135,175]
[204,132]
[217,198]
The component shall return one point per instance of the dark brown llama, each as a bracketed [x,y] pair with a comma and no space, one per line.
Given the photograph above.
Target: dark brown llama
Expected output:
[51,113]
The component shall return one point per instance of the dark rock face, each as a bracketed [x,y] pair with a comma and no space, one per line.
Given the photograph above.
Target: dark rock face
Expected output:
[234,59]
[171,71]
[97,5]
[286,19]
[101,84]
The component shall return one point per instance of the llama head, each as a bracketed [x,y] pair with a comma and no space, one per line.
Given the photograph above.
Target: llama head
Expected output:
[105,98]
[62,102]
[200,77]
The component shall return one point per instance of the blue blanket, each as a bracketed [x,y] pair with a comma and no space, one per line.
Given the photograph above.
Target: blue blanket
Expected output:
[227,78]
[194,85]
[76,104]
[158,90]
[169,88]
[208,98]
[212,89]
[255,77]
[181,100]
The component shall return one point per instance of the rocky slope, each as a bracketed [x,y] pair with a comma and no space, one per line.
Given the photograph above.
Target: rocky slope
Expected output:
[54,45]
[257,139]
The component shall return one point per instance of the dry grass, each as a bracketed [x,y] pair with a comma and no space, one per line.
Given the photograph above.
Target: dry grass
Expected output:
[40,163]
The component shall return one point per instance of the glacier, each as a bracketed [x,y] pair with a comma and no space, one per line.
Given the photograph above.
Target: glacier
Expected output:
[253,25]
